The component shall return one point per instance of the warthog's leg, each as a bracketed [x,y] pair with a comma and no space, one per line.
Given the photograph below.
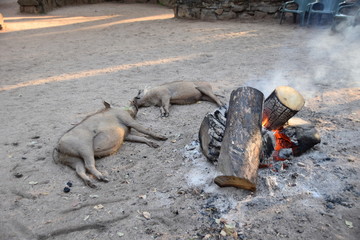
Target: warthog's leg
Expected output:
[165,106]
[140,139]
[207,92]
[132,123]
[146,131]
[78,165]
[88,155]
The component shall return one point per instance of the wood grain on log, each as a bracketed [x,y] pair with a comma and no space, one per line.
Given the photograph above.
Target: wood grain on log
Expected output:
[241,146]
[282,104]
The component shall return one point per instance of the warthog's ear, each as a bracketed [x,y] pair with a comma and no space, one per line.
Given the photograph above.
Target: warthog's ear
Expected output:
[139,94]
[107,105]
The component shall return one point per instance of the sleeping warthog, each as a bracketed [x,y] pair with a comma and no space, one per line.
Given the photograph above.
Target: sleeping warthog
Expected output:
[175,93]
[99,135]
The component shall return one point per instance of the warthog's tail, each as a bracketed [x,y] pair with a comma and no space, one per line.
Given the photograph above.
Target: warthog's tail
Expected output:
[55,155]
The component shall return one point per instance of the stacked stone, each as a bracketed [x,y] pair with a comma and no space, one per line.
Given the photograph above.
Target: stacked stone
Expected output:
[44,6]
[224,9]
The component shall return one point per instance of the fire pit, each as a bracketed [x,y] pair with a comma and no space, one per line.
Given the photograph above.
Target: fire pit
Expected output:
[253,133]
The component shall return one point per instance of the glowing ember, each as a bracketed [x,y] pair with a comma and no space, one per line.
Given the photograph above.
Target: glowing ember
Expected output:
[282,141]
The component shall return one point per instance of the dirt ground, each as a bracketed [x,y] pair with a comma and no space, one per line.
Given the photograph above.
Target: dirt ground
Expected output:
[59,67]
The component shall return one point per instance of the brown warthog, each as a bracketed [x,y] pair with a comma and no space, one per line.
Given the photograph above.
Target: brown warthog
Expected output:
[99,135]
[175,93]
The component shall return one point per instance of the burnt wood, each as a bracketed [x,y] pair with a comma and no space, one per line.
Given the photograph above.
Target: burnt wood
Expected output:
[242,142]
[282,104]
[211,133]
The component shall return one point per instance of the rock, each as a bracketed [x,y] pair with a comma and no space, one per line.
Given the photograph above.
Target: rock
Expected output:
[208,15]
[238,8]
[260,15]
[28,2]
[301,164]
[1,21]
[18,175]
[219,11]
[168,3]
[227,15]
[185,12]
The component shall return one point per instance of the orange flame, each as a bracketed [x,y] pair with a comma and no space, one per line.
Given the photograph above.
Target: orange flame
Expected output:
[265,121]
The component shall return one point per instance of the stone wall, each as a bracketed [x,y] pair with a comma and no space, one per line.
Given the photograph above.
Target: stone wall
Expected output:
[224,9]
[44,6]
[190,9]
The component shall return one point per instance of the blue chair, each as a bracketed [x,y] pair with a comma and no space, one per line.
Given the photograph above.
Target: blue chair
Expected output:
[347,13]
[322,7]
[301,9]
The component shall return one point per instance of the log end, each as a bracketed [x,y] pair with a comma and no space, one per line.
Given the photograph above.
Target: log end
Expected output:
[232,181]
[290,97]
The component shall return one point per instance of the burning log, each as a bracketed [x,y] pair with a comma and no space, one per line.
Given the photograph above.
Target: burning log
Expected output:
[242,143]
[282,104]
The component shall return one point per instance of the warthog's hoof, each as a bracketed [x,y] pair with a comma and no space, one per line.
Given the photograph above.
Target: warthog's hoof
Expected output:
[162,137]
[153,144]
[90,184]
[104,179]
[166,114]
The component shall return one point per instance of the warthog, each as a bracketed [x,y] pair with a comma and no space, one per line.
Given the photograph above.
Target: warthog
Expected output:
[175,93]
[98,135]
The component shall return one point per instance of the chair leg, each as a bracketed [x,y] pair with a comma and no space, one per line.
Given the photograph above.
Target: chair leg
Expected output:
[302,19]
[308,19]
[319,19]
[282,15]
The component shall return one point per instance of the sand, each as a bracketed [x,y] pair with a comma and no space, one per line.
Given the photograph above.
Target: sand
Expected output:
[57,68]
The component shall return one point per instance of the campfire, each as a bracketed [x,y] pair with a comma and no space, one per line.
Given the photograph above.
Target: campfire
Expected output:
[252,133]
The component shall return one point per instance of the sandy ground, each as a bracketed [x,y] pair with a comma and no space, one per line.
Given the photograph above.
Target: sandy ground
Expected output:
[59,67]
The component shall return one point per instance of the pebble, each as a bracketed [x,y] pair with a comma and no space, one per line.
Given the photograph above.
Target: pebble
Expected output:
[301,164]
[66,189]
[18,175]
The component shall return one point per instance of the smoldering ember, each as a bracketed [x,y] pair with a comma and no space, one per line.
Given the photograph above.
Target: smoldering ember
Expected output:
[278,158]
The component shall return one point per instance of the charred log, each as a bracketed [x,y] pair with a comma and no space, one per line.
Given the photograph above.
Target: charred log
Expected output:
[302,133]
[242,142]
[282,104]
[211,133]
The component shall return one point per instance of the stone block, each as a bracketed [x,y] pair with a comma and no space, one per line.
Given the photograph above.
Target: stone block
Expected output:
[238,8]
[168,3]
[28,2]
[1,21]
[227,15]
[268,9]
[208,15]
[260,15]
[186,12]
[29,9]
[219,11]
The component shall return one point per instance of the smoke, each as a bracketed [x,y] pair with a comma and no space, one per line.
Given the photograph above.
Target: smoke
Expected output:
[318,59]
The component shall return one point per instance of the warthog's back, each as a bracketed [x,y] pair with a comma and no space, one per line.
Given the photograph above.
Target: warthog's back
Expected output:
[185,92]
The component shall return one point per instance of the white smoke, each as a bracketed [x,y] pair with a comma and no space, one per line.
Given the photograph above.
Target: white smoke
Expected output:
[325,59]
